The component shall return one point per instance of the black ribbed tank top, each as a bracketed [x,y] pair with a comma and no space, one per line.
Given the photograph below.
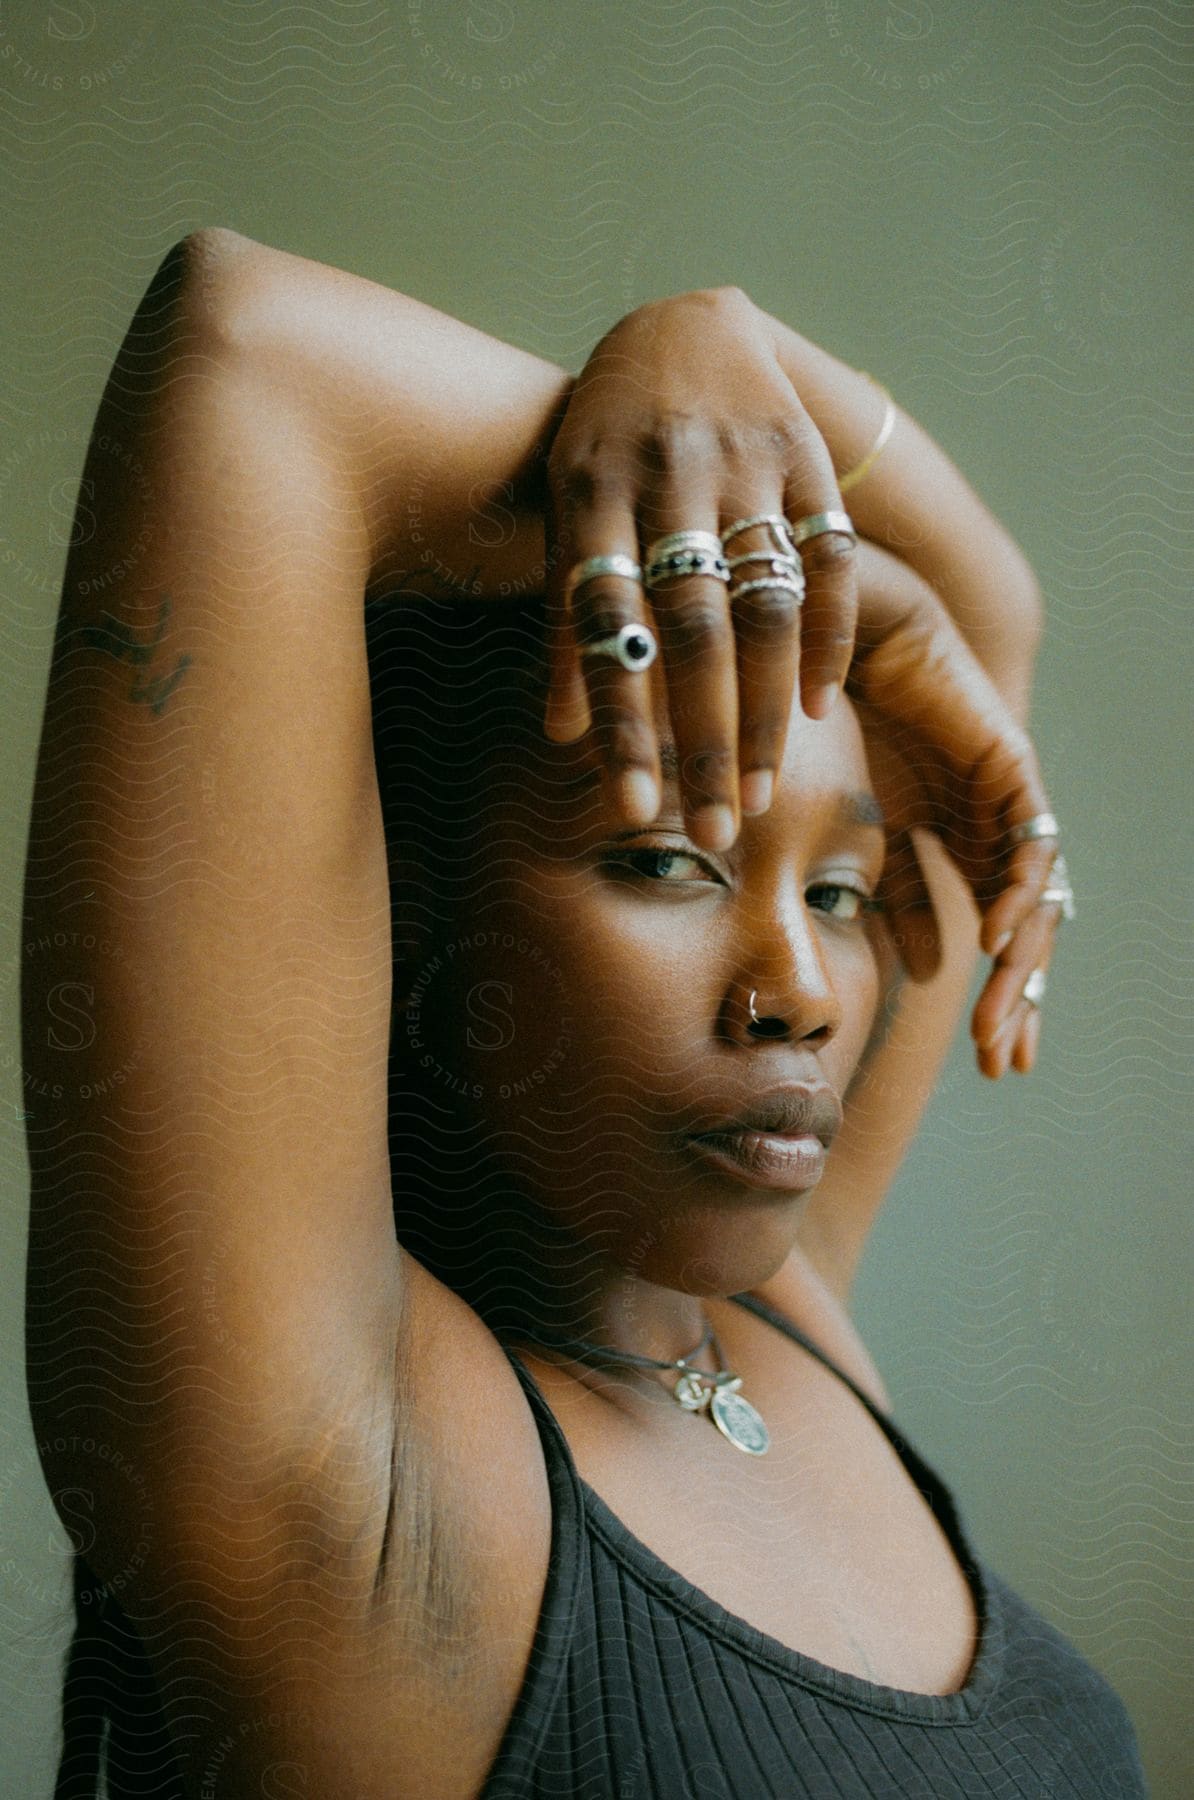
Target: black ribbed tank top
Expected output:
[642,1687]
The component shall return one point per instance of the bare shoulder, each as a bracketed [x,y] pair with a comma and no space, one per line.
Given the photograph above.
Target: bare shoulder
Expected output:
[802,1294]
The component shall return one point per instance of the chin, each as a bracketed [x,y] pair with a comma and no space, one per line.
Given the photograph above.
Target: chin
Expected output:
[713,1251]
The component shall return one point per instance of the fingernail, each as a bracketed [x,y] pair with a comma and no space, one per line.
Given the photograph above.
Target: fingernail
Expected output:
[1001,944]
[821,701]
[756,790]
[714,826]
[638,796]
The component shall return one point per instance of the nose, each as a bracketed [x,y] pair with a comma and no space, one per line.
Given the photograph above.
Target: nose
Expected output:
[781,988]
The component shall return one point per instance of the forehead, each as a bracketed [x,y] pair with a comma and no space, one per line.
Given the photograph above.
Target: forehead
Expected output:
[824,761]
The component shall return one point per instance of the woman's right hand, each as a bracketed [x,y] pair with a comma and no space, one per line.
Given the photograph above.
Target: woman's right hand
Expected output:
[683,419]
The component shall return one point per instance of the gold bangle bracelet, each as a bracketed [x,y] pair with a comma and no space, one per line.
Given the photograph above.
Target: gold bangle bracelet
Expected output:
[855,475]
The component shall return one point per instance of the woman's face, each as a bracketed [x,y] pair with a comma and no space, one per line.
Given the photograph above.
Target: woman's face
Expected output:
[593,1007]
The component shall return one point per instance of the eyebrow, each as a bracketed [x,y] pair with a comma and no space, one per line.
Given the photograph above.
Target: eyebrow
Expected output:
[857,807]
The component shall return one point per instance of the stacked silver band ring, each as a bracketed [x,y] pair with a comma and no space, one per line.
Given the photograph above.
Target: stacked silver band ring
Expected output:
[781,559]
[682,554]
[782,571]
[776,524]
[1059,892]
[817,524]
[1041,825]
[592,566]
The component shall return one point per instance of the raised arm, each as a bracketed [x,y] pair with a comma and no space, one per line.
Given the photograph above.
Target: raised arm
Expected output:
[916,501]
[215,1300]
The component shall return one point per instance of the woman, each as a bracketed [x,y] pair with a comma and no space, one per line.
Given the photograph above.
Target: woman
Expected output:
[599,861]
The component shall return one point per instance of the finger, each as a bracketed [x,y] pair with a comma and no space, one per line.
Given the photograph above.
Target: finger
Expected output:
[1024,1055]
[566,714]
[1030,948]
[1012,1043]
[1020,893]
[1002,1014]
[1012,793]
[620,697]
[831,571]
[692,617]
[1026,877]
[765,597]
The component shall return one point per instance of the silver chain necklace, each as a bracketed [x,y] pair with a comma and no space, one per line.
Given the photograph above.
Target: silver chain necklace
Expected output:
[695,1391]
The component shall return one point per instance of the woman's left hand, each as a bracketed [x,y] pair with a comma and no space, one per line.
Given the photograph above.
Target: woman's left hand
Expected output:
[974,778]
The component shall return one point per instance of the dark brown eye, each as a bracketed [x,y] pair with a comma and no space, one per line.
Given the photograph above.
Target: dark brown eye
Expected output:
[840,901]
[665,865]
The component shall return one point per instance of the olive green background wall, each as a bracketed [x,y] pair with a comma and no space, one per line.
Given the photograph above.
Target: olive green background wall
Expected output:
[989,207]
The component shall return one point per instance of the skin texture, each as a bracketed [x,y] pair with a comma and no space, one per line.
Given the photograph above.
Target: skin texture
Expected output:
[630,997]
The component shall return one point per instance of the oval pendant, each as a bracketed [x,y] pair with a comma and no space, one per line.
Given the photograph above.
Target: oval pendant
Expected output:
[738,1420]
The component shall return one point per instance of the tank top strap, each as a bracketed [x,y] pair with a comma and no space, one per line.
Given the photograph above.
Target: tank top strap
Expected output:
[764,1310]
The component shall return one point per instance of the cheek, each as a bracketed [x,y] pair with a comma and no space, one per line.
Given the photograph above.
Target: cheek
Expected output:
[859,974]
[515,1019]
[570,1000]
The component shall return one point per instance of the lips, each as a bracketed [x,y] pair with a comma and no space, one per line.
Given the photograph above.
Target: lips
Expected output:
[799,1110]
[778,1141]
[764,1159]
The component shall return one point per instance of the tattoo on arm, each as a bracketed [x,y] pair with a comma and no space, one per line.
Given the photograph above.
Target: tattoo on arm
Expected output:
[118,640]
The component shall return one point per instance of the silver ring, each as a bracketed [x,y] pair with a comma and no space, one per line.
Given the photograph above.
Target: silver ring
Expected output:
[678,564]
[1059,891]
[785,583]
[593,566]
[779,561]
[634,646]
[816,524]
[1041,825]
[1034,988]
[775,522]
[683,540]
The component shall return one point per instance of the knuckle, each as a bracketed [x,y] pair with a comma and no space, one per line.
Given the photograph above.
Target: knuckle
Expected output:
[752,445]
[832,642]
[770,610]
[585,479]
[790,436]
[699,622]
[830,552]
[763,731]
[710,768]
[601,610]
[679,439]
[631,743]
